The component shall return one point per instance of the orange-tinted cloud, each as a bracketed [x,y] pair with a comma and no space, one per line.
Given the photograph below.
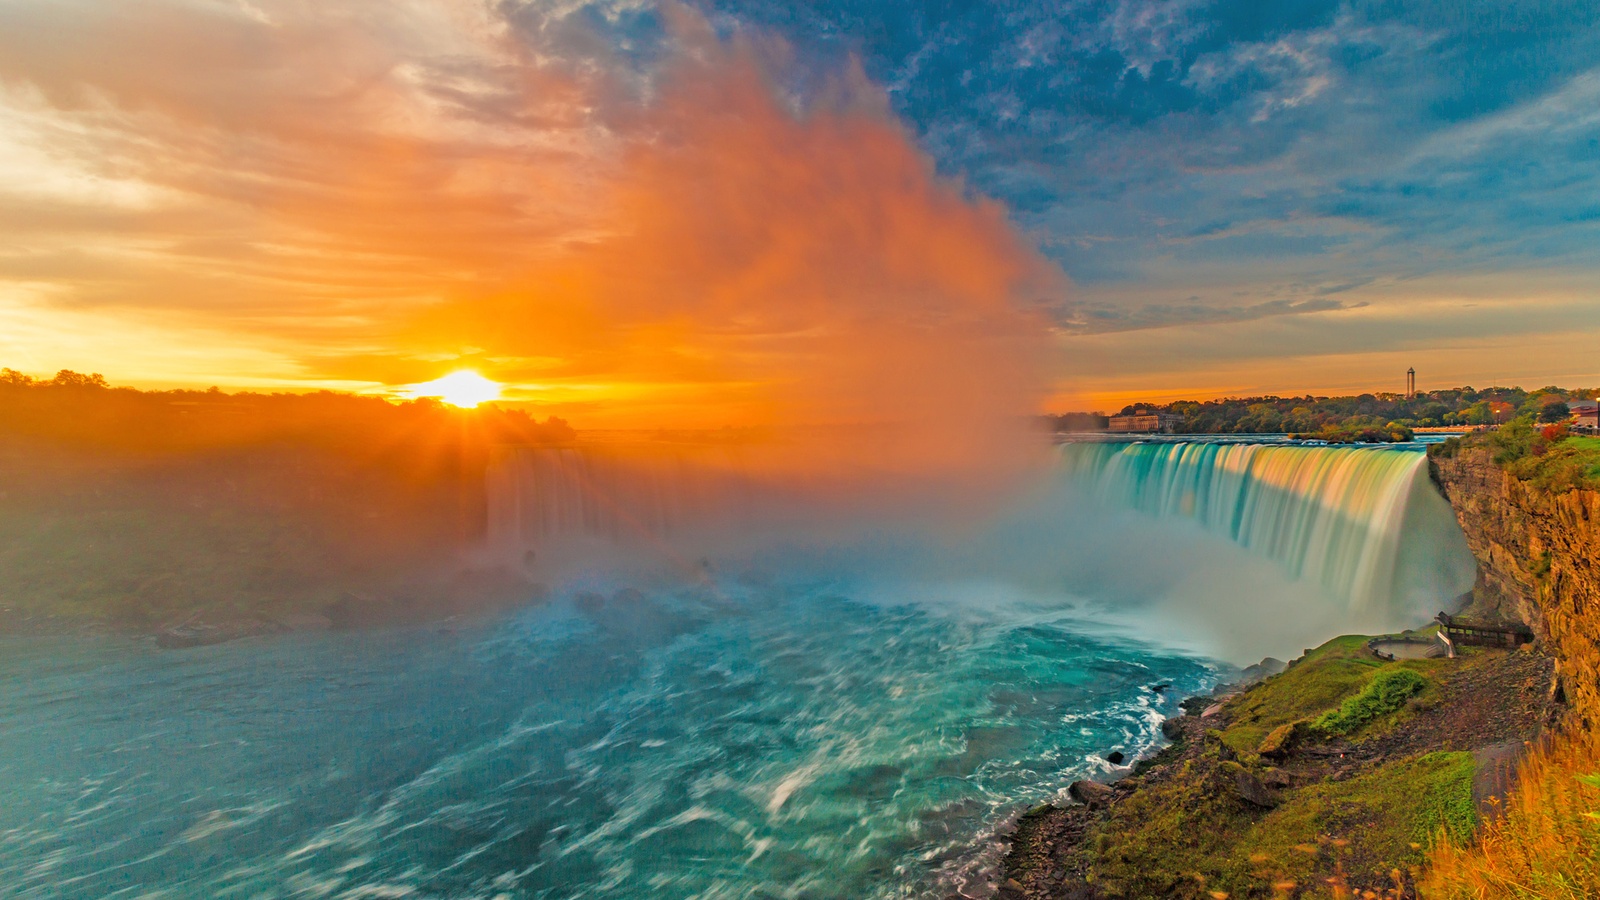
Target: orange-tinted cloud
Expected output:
[795,268]
[379,192]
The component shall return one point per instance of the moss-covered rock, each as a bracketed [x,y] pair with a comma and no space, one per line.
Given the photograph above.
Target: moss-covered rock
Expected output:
[1282,740]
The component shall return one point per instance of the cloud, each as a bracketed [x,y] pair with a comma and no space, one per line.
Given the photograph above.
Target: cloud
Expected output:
[680,225]
[355,156]
[799,265]
[1125,124]
[1105,318]
[1519,327]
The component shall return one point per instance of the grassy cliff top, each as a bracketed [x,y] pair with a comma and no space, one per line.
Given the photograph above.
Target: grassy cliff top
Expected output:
[1549,457]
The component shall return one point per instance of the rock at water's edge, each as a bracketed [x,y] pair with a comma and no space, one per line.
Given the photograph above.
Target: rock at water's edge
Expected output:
[1090,793]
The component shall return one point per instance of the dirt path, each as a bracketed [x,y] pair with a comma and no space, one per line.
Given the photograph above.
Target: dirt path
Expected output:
[1495,777]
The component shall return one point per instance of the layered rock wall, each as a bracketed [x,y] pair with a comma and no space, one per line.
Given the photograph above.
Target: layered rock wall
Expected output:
[1538,562]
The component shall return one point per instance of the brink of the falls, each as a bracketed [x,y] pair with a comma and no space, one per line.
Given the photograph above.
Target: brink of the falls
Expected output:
[1244,549]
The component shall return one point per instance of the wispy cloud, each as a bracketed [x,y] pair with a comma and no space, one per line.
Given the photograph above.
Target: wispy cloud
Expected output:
[1177,114]
[1103,318]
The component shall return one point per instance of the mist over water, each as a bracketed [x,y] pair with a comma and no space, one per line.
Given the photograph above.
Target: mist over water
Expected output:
[1360,535]
[1235,550]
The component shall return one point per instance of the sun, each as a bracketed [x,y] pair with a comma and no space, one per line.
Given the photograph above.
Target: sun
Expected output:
[464,388]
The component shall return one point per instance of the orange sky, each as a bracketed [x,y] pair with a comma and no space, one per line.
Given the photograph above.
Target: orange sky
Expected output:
[377,195]
[319,215]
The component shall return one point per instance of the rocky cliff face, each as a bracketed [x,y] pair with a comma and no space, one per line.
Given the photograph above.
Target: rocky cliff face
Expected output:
[1538,562]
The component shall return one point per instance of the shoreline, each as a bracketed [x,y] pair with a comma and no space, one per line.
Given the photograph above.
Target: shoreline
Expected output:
[1109,774]
[1057,850]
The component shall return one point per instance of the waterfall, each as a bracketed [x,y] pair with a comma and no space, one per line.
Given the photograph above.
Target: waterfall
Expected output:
[1363,522]
[1361,527]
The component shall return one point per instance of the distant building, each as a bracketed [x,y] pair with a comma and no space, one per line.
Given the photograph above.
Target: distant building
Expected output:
[1145,421]
[1411,384]
[1585,412]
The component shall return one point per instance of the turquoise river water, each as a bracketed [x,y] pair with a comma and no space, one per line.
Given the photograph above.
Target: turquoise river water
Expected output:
[772,732]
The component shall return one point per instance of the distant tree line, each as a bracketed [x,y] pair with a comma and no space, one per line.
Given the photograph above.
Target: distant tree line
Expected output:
[145,508]
[83,411]
[1341,417]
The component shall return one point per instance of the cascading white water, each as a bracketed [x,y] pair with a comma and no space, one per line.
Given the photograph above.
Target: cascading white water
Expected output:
[1363,522]
[1363,527]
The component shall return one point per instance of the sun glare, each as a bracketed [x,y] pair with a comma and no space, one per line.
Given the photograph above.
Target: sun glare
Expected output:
[464,388]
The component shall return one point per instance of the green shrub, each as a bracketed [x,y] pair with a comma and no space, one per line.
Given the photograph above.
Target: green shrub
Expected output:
[1551,458]
[1385,693]
[1446,449]
[1573,462]
[1511,442]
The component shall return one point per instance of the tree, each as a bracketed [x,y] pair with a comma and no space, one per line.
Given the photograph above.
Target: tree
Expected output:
[69,378]
[1554,412]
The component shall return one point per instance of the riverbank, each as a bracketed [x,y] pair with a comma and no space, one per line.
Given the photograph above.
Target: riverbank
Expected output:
[1255,798]
[1340,771]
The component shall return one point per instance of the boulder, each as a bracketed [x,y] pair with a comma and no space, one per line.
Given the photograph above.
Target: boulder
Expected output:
[1277,779]
[1090,793]
[1281,741]
[1115,757]
[1246,786]
[1011,889]
[1262,670]
[1171,729]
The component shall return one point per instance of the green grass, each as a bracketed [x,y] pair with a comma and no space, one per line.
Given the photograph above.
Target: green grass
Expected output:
[1327,677]
[1182,838]
[1586,452]
[1567,464]
[1193,835]
[1384,694]
[1315,684]
[1157,840]
[1389,816]
[1545,844]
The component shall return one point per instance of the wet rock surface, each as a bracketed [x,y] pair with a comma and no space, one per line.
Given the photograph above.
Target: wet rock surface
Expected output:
[1090,793]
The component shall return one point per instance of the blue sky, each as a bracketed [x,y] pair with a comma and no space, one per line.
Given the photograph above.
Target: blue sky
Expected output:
[1355,139]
